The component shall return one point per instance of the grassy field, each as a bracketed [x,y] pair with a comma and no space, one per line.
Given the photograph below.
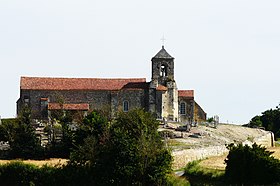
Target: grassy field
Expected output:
[217,162]
[50,162]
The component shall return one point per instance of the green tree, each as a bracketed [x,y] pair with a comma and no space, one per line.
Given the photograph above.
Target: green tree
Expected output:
[94,124]
[269,119]
[251,165]
[131,153]
[256,121]
[7,129]
[90,139]
[60,147]
[24,142]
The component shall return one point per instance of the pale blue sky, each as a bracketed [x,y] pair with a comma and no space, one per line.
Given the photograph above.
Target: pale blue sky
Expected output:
[226,50]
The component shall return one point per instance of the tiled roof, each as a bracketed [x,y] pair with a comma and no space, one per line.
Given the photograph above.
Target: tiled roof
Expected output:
[57,106]
[46,83]
[161,88]
[186,93]
[162,54]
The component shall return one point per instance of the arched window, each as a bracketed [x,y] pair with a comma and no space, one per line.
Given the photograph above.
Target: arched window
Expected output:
[125,106]
[182,108]
[163,71]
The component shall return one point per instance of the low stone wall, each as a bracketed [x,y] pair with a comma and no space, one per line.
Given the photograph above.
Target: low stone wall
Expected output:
[265,140]
[182,157]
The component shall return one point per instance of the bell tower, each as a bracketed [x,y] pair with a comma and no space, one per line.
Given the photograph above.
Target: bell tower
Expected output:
[162,67]
[163,92]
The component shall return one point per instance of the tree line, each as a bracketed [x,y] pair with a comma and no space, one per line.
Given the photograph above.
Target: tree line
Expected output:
[125,151]
[269,119]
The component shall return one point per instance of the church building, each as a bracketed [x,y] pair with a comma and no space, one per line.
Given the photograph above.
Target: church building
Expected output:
[160,96]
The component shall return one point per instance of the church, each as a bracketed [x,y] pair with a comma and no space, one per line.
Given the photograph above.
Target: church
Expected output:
[160,96]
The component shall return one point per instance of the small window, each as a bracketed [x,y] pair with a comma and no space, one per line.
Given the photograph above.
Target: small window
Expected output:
[125,106]
[26,99]
[182,108]
[44,102]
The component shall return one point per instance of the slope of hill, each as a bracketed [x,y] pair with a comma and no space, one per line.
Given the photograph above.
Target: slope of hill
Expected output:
[202,141]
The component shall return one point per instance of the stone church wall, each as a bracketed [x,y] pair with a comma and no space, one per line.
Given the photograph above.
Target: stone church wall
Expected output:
[188,117]
[95,99]
[199,114]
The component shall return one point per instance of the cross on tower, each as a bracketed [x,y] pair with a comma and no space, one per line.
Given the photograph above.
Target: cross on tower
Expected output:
[163,39]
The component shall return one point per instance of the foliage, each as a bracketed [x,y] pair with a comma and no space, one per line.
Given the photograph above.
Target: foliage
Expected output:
[22,138]
[173,180]
[60,120]
[132,151]
[210,120]
[251,165]
[126,151]
[19,173]
[94,124]
[198,175]
[270,120]
[256,121]
[7,129]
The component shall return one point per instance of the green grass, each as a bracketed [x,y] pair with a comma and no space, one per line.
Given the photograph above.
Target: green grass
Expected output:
[174,180]
[198,175]
[175,144]
[277,142]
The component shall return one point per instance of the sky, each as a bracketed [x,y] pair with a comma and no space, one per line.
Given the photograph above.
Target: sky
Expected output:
[227,51]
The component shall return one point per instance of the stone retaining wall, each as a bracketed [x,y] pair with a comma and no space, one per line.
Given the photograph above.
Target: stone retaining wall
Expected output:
[182,157]
[266,140]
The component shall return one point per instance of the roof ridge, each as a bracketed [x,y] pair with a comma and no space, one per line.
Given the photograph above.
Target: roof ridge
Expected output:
[81,78]
[46,83]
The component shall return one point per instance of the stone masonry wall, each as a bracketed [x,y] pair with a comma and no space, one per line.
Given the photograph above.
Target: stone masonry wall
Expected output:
[95,99]
[182,157]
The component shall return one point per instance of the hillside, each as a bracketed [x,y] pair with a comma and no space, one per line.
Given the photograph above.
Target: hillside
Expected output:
[202,141]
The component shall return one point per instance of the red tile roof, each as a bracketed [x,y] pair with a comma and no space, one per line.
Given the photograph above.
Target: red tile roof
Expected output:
[57,106]
[186,93]
[46,83]
[161,88]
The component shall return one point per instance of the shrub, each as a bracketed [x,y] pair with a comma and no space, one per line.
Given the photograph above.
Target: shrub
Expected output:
[251,165]
[19,173]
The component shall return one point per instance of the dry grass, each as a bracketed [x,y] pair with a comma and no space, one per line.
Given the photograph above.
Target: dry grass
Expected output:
[40,163]
[217,162]
[276,151]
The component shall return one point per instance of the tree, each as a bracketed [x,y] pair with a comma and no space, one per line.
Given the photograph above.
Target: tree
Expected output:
[7,129]
[90,139]
[94,124]
[269,119]
[131,153]
[256,121]
[24,142]
[251,165]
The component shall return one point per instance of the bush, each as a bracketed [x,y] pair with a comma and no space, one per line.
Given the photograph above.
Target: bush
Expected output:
[251,165]
[19,173]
